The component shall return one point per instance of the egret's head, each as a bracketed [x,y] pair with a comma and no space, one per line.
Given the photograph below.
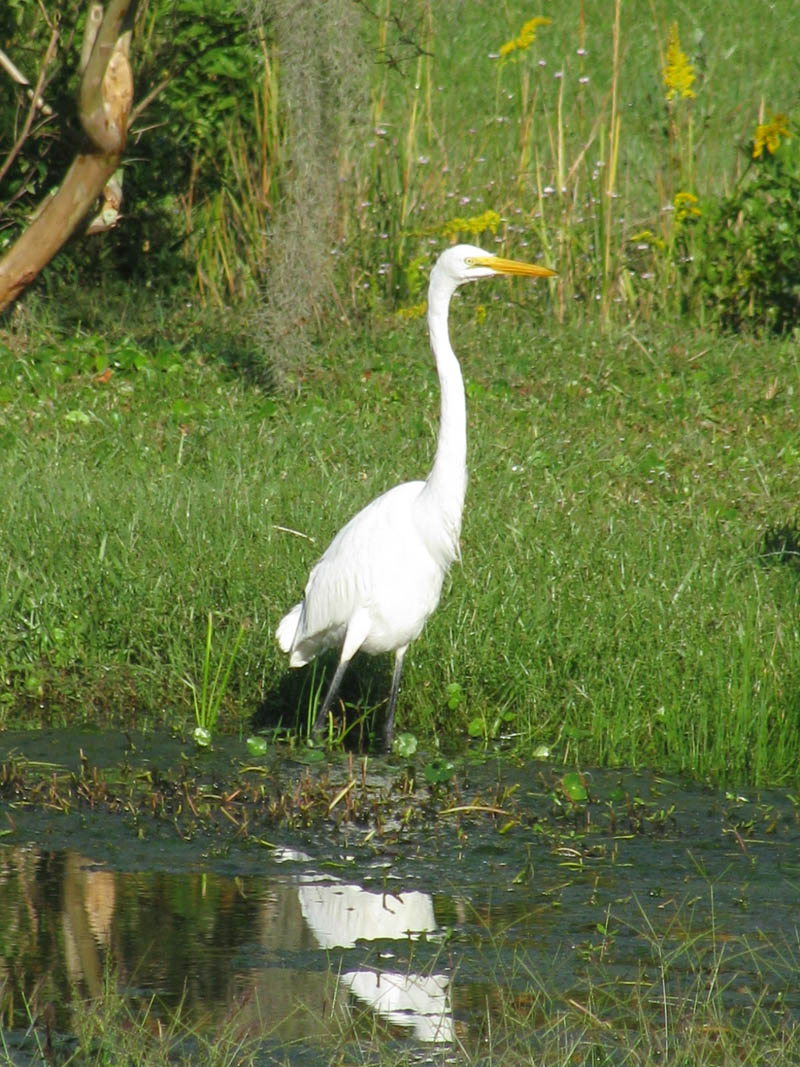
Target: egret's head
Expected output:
[467,263]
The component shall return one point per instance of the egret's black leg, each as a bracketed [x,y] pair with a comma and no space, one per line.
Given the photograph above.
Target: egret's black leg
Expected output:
[333,689]
[388,726]
[357,630]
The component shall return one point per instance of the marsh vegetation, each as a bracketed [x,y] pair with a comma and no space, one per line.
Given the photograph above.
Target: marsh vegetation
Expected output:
[176,450]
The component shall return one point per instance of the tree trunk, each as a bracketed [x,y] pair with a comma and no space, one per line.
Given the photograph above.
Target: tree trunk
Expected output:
[105,99]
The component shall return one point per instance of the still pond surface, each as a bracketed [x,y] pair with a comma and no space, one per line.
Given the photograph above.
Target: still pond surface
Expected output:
[451,907]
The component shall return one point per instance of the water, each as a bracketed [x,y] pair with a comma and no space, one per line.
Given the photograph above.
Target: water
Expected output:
[499,893]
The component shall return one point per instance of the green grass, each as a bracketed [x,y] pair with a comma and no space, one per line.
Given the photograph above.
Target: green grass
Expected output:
[571,141]
[115,1026]
[613,546]
[614,602]
[210,683]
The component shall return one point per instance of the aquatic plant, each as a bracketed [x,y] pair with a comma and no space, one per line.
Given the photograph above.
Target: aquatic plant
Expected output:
[209,694]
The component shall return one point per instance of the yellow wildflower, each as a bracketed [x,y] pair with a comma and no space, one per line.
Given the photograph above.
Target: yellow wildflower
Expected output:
[416,311]
[678,71]
[647,237]
[768,135]
[480,314]
[686,207]
[474,225]
[527,35]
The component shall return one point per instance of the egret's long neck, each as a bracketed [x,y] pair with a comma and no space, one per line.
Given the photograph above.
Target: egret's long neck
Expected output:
[447,482]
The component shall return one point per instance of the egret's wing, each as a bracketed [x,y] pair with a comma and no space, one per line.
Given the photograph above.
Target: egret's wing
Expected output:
[374,564]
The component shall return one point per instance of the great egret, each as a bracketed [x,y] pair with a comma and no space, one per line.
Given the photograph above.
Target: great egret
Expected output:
[381,576]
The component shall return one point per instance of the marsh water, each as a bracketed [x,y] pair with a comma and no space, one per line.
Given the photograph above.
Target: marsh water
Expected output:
[504,893]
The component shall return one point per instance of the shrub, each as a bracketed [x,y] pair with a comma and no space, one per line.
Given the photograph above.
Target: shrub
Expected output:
[745,248]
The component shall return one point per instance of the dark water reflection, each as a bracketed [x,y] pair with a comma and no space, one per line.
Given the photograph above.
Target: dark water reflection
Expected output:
[291,952]
[302,939]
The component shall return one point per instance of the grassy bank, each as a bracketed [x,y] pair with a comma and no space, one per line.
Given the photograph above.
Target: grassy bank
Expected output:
[626,595]
[623,597]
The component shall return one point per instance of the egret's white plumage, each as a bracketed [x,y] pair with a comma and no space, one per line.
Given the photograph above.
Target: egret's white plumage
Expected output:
[381,576]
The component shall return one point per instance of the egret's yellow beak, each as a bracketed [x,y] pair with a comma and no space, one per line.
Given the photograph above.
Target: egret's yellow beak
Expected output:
[513,266]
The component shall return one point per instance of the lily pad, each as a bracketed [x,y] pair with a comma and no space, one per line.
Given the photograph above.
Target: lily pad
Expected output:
[574,787]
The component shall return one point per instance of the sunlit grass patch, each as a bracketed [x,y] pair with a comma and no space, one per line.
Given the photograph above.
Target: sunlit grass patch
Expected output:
[617,600]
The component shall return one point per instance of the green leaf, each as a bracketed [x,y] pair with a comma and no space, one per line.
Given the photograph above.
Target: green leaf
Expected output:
[439,770]
[574,787]
[202,736]
[310,755]
[404,745]
[257,746]
[454,695]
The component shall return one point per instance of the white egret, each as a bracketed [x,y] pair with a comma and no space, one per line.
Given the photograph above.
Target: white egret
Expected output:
[381,576]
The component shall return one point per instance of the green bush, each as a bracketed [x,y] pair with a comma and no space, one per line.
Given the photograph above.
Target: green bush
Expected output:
[745,248]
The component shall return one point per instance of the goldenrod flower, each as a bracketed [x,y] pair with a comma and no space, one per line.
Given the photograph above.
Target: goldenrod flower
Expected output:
[686,207]
[527,35]
[416,311]
[647,237]
[768,135]
[474,225]
[678,71]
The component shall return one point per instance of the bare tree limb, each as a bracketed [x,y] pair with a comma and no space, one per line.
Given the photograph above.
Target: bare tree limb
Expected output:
[92,27]
[105,99]
[104,82]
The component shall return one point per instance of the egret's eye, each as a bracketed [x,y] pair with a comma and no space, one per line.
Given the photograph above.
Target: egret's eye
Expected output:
[469,261]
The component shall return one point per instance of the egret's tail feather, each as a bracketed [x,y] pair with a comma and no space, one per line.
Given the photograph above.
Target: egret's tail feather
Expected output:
[287,628]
